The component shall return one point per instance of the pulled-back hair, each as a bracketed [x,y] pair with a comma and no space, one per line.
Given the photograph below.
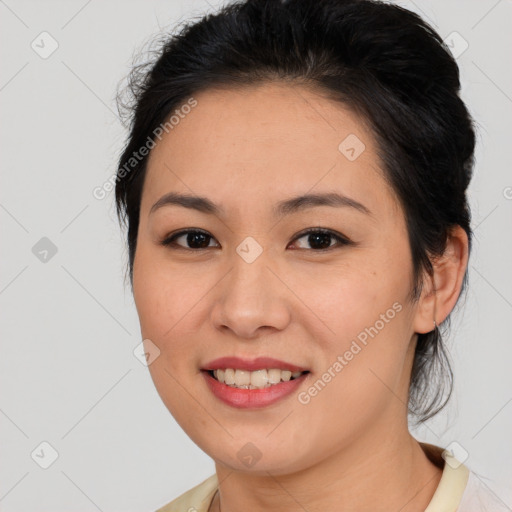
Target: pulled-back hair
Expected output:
[382,61]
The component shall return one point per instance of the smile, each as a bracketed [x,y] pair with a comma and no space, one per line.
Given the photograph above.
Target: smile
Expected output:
[259,379]
[248,396]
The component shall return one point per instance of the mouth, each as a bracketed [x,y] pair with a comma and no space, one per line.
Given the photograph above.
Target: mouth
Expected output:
[252,383]
[259,379]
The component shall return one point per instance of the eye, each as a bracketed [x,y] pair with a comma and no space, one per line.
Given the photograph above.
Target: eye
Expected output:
[196,239]
[320,239]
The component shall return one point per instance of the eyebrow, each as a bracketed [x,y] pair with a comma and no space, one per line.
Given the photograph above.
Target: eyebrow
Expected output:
[286,207]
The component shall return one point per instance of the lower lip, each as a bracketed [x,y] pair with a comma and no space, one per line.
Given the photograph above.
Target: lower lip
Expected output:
[252,398]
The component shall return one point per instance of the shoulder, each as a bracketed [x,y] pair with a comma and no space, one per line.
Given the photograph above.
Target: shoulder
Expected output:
[461,489]
[479,497]
[197,499]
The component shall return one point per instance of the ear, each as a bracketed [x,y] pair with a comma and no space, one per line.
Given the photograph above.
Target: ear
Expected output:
[441,291]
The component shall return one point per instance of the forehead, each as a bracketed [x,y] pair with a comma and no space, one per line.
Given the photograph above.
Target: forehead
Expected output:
[259,144]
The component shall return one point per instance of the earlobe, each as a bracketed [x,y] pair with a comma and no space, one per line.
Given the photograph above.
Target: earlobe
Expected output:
[442,290]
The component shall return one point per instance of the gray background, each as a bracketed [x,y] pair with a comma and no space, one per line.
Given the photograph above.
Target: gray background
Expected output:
[68,375]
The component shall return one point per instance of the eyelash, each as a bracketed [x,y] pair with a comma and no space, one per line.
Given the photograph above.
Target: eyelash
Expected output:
[169,241]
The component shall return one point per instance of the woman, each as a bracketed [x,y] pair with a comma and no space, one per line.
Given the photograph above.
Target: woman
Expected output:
[294,188]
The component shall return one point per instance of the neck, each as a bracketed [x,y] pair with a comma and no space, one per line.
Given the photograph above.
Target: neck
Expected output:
[393,473]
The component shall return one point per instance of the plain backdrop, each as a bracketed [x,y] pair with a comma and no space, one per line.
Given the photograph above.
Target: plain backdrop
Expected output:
[68,376]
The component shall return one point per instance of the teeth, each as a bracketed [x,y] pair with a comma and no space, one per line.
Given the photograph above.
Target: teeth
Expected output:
[254,380]
[229,376]
[242,378]
[274,376]
[286,375]
[259,379]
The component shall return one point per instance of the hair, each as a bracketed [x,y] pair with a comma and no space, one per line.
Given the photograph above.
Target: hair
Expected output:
[380,60]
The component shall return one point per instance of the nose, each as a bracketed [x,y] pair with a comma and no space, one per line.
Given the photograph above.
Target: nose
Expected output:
[251,300]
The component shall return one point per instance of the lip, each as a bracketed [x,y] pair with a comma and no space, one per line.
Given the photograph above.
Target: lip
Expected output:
[252,398]
[251,365]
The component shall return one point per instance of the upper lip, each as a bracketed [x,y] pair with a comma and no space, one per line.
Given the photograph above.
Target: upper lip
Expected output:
[251,365]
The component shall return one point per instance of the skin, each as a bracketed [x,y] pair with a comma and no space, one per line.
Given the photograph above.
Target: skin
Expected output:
[246,150]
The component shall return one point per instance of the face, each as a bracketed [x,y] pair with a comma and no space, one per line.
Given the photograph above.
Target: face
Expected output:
[247,280]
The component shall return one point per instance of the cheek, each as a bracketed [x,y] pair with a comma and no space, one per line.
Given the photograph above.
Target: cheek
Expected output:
[172,309]
[354,297]
[158,300]
[368,329]
[162,299]
[360,378]
[149,299]
[161,293]
[367,311]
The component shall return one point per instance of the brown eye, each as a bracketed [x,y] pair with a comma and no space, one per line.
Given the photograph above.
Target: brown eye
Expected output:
[190,240]
[320,239]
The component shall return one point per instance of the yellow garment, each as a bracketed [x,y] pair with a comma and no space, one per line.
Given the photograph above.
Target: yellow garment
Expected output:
[446,498]
[197,499]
